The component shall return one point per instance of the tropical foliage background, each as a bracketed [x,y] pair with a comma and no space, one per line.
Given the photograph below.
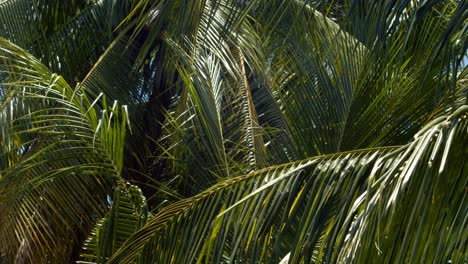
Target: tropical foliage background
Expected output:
[233,131]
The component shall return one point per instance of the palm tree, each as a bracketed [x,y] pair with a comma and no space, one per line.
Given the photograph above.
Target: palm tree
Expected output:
[229,131]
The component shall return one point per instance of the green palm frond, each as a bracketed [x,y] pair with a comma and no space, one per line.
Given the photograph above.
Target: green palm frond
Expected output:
[213,125]
[360,206]
[352,95]
[286,131]
[60,160]
[128,213]
[68,38]
[115,76]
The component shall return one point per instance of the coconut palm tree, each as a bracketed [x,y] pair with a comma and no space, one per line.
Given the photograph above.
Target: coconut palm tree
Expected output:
[229,131]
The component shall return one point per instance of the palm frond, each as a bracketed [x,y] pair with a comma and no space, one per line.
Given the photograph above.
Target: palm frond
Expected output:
[60,160]
[68,38]
[320,104]
[351,95]
[213,125]
[354,206]
[201,134]
[128,213]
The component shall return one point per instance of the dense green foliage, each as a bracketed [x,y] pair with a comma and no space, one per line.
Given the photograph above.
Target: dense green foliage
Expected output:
[232,131]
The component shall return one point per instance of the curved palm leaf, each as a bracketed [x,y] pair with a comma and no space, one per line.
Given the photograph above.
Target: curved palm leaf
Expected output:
[218,89]
[213,124]
[68,38]
[356,206]
[348,92]
[128,213]
[350,97]
[60,160]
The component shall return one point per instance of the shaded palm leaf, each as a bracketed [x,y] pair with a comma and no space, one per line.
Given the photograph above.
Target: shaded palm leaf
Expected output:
[213,125]
[351,96]
[68,38]
[128,213]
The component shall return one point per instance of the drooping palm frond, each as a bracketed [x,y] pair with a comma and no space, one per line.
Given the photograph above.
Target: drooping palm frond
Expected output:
[60,159]
[128,213]
[354,96]
[74,48]
[332,90]
[406,74]
[354,206]
[116,76]
[218,89]
[68,38]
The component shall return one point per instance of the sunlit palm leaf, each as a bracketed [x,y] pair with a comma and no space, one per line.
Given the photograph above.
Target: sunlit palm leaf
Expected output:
[342,207]
[60,160]
[218,89]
